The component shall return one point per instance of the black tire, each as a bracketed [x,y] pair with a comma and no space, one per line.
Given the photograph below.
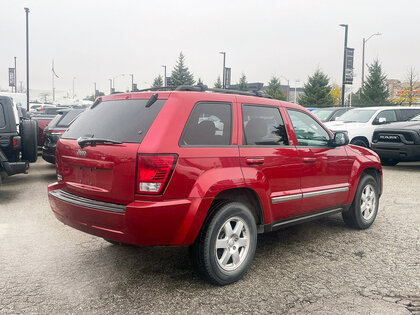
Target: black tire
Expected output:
[354,216]
[29,135]
[205,257]
[360,143]
[389,162]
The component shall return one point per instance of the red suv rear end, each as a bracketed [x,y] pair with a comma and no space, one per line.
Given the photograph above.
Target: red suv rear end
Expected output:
[210,170]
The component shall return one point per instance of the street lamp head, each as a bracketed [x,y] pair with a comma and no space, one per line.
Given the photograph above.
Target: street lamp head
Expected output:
[27,9]
[344,25]
[222,52]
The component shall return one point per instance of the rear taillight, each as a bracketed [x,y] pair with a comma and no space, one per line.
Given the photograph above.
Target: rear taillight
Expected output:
[153,172]
[15,142]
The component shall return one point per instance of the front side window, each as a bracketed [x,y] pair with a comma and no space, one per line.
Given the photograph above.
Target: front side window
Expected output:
[307,130]
[263,125]
[208,124]
[389,116]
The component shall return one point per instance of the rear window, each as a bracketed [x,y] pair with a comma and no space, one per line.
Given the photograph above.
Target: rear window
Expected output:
[68,117]
[119,120]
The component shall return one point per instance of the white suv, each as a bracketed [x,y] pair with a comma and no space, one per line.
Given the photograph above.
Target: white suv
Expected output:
[361,122]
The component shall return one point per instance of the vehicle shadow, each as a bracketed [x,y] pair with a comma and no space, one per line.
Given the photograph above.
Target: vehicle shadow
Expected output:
[144,266]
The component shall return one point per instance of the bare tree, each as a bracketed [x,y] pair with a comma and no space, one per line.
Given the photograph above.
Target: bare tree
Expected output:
[413,85]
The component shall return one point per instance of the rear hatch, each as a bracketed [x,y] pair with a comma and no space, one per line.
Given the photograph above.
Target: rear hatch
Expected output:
[103,166]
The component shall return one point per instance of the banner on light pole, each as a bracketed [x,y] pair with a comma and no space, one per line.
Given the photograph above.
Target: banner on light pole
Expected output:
[349,66]
[227,76]
[11,76]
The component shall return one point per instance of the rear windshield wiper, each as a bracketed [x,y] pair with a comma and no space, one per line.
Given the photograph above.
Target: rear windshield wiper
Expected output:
[83,141]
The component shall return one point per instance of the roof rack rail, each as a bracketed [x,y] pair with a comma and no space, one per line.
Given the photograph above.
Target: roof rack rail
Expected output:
[162,88]
[203,88]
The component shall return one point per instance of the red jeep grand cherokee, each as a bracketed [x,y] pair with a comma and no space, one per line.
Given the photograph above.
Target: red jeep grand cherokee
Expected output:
[207,169]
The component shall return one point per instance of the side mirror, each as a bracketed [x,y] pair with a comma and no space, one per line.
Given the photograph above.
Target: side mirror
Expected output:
[340,138]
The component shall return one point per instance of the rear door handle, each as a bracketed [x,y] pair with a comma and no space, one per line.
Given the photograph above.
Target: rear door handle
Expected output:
[309,160]
[254,161]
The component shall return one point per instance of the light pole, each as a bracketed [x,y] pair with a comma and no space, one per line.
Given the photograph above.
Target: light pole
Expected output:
[74,78]
[113,79]
[132,82]
[164,76]
[343,87]
[296,82]
[94,93]
[224,69]
[15,77]
[110,86]
[288,87]
[363,58]
[27,60]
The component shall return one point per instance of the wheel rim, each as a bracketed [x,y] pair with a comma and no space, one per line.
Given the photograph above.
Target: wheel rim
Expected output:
[368,202]
[232,244]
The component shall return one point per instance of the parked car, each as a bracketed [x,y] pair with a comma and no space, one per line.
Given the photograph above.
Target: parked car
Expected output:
[209,170]
[18,141]
[330,113]
[361,122]
[398,142]
[54,131]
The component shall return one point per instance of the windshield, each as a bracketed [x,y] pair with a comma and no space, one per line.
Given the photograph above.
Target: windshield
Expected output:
[323,114]
[119,120]
[417,118]
[357,115]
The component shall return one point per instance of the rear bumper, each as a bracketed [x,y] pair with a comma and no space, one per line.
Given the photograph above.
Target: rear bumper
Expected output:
[140,222]
[397,151]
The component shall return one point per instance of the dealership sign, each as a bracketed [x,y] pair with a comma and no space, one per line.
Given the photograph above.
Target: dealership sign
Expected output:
[408,92]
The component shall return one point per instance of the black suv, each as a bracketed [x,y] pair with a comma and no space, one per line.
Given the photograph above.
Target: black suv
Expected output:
[18,139]
[398,142]
[55,129]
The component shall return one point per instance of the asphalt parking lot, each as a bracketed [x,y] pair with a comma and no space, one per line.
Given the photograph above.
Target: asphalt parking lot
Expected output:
[319,267]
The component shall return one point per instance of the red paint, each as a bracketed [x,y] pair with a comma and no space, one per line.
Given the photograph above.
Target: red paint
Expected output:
[175,213]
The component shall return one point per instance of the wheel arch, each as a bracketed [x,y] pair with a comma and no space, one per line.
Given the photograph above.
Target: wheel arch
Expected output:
[363,138]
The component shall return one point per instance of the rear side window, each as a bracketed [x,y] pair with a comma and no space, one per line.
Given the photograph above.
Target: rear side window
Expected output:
[407,114]
[2,117]
[119,120]
[208,124]
[263,125]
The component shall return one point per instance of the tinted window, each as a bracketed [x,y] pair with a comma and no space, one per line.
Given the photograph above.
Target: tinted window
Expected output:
[263,125]
[54,121]
[389,115]
[2,117]
[307,130]
[407,114]
[68,117]
[208,124]
[120,120]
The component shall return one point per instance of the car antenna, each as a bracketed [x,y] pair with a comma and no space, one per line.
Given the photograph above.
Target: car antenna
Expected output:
[152,100]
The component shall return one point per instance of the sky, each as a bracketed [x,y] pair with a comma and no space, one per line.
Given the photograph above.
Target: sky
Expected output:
[94,41]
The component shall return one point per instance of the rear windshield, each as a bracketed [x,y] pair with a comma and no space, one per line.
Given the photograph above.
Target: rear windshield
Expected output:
[120,120]
[68,117]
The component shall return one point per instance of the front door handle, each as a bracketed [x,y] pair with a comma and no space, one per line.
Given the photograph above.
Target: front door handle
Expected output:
[254,161]
[309,160]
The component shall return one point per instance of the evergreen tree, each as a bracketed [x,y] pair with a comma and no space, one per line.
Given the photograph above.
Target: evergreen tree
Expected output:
[218,83]
[375,90]
[157,82]
[243,84]
[199,82]
[274,89]
[180,73]
[317,91]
